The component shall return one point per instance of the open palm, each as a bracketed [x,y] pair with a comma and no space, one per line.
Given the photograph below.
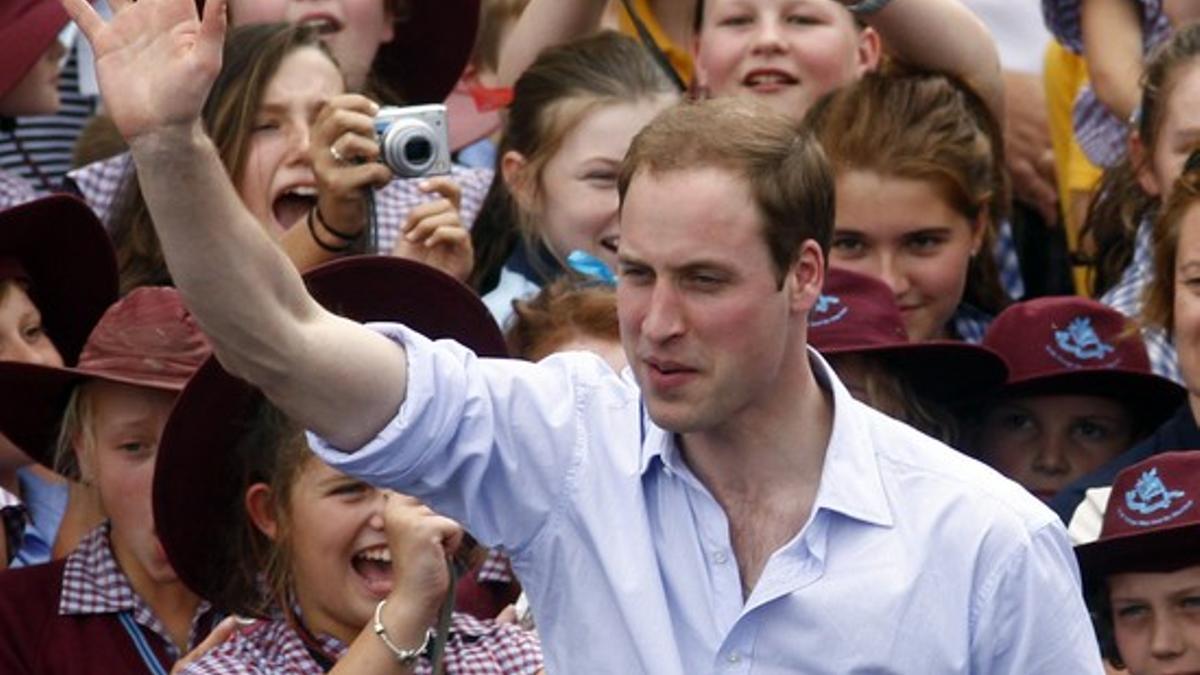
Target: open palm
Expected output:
[155,59]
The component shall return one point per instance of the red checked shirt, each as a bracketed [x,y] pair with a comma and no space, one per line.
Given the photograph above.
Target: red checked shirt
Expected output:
[100,183]
[475,648]
[63,617]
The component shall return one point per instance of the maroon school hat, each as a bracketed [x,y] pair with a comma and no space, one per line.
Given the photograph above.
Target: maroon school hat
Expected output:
[430,51]
[1073,345]
[58,247]
[432,44]
[1151,522]
[200,477]
[147,339]
[27,29]
[857,314]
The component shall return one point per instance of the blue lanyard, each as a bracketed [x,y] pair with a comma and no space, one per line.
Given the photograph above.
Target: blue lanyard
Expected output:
[139,642]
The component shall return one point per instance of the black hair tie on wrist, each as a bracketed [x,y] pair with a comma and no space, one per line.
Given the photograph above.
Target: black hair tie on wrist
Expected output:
[312,231]
[337,233]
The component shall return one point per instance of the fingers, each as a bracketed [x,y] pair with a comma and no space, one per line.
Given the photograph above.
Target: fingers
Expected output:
[451,236]
[222,632]
[344,114]
[86,17]
[212,24]
[446,186]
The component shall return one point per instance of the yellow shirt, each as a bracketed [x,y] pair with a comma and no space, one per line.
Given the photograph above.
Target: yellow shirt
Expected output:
[679,56]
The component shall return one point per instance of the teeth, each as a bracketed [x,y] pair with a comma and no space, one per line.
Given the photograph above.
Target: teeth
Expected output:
[380,554]
[322,25]
[768,78]
[302,191]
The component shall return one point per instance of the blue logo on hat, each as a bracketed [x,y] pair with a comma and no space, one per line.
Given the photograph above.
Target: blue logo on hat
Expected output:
[827,304]
[1081,340]
[1150,495]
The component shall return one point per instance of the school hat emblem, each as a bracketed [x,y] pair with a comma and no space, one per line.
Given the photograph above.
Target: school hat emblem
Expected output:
[1081,341]
[1149,496]
[829,309]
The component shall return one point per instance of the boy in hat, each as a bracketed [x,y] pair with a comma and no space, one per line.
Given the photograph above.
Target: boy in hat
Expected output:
[114,604]
[1143,573]
[1080,391]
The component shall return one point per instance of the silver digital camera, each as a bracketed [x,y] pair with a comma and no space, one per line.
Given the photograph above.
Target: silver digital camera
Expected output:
[413,140]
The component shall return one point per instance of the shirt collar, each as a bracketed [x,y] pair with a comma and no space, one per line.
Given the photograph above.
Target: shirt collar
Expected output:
[850,479]
[93,583]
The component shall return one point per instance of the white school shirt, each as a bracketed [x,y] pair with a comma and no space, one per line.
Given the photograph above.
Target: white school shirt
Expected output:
[915,559]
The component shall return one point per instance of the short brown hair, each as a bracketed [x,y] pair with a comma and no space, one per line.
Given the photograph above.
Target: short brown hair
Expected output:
[1159,307]
[561,311]
[790,180]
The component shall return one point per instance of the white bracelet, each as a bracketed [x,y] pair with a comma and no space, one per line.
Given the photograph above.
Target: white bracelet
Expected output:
[866,7]
[406,657]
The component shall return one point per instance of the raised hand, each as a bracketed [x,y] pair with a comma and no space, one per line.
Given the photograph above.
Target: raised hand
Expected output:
[155,60]
[420,542]
[434,233]
[344,156]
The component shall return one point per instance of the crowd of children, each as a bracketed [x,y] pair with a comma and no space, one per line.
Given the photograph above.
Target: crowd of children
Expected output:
[734,337]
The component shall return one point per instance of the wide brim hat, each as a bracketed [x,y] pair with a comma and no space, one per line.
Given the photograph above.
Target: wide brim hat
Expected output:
[27,29]
[200,478]
[857,314]
[1073,345]
[59,247]
[146,339]
[430,51]
[1151,521]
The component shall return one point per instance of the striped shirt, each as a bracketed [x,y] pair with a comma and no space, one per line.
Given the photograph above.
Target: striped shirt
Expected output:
[49,140]
[1100,133]
[1126,298]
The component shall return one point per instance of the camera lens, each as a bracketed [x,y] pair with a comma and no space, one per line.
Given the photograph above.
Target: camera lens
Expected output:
[418,151]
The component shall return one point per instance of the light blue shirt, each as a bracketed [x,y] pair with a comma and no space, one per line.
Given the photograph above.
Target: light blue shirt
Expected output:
[916,559]
[47,502]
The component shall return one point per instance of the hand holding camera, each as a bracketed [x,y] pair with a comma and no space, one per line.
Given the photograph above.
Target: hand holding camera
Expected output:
[357,146]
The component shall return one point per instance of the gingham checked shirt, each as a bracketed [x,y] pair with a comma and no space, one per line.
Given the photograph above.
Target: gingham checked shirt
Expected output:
[15,190]
[1126,298]
[475,648]
[1100,133]
[93,584]
[99,184]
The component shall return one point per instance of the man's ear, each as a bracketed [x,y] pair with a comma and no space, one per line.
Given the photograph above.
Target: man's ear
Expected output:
[512,169]
[261,510]
[806,276]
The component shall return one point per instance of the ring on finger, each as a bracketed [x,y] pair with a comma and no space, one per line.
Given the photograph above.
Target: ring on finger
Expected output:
[337,156]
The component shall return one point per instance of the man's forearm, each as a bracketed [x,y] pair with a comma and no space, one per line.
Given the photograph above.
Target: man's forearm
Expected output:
[217,251]
[330,375]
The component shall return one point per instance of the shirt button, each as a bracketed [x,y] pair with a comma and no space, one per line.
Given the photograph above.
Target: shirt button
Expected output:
[733,657]
[720,557]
